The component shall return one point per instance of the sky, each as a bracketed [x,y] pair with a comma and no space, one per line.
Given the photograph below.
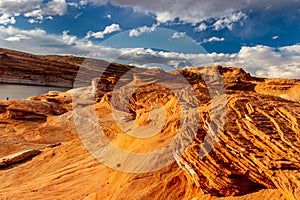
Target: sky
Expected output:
[260,36]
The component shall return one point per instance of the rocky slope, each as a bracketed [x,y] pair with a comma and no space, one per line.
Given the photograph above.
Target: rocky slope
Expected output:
[252,154]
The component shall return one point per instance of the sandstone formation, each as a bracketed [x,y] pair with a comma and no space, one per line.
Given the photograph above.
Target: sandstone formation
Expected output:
[56,71]
[252,154]
[30,110]
[18,157]
[257,148]
[22,68]
[287,89]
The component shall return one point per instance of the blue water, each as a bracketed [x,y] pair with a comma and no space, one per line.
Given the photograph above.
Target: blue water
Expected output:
[14,91]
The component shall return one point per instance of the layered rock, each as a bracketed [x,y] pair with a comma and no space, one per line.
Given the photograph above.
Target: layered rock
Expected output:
[56,71]
[18,157]
[253,155]
[22,68]
[257,148]
[287,89]
[260,142]
[30,110]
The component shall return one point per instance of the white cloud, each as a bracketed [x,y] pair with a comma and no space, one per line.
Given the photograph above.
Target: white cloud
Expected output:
[94,34]
[267,61]
[108,16]
[262,61]
[20,6]
[275,37]
[290,50]
[177,35]
[17,38]
[11,31]
[84,2]
[37,14]
[109,29]
[69,39]
[258,60]
[55,7]
[73,4]
[33,21]
[36,9]
[191,11]
[49,17]
[43,43]
[229,21]
[201,27]
[219,23]
[7,19]
[212,39]
[140,30]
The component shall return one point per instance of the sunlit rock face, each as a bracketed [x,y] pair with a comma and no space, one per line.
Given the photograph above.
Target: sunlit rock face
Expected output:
[258,146]
[253,154]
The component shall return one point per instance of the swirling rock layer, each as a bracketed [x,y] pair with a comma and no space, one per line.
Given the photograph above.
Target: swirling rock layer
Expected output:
[254,154]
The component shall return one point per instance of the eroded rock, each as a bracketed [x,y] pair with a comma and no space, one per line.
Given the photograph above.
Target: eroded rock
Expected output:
[18,157]
[28,109]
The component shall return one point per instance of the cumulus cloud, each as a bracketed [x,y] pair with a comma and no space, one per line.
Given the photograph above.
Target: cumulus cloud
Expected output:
[40,42]
[220,23]
[32,21]
[267,61]
[229,21]
[290,50]
[55,7]
[109,29]
[177,35]
[140,30]
[73,4]
[201,27]
[69,39]
[262,61]
[85,2]
[36,9]
[11,31]
[17,38]
[21,6]
[191,11]
[258,60]
[37,14]
[7,19]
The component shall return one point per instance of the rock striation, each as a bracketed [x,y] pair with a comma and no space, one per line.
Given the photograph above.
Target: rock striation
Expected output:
[49,70]
[258,146]
[30,110]
[17,157]
[252,154]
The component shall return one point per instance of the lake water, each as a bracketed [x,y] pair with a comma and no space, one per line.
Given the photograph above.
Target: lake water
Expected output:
[14,91]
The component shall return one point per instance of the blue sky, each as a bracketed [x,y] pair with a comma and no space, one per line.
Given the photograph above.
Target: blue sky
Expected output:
[260,36]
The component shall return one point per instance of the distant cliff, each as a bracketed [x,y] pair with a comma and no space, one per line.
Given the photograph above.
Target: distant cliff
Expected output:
[28,69]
